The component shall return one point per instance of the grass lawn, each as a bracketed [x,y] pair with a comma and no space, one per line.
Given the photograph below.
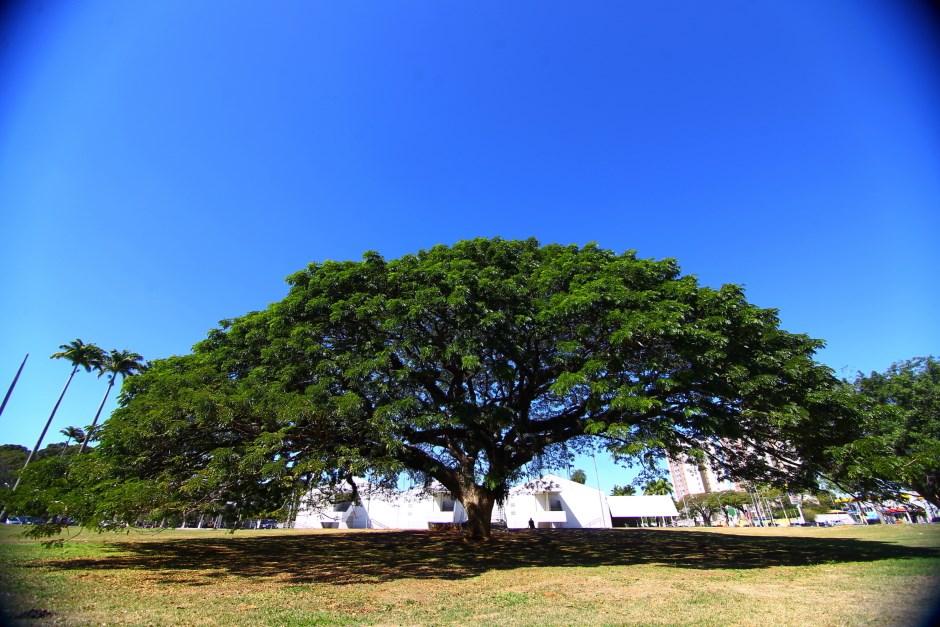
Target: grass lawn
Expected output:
[814,576]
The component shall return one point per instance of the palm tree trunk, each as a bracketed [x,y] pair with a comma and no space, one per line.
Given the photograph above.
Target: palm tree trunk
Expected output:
[94,422]
[48,422]
[13,385]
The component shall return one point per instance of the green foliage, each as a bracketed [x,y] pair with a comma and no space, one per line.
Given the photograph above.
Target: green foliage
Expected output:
[12,458]
[579,476]
[895,440]
[712,504]
[467,365]
[80,355]
[123,363]
[623,490]
[659,487]
[73,433]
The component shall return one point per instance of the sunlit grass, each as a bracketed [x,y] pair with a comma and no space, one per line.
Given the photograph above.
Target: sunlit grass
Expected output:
[847,575]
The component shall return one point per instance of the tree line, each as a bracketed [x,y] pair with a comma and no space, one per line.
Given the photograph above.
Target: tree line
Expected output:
[88,357]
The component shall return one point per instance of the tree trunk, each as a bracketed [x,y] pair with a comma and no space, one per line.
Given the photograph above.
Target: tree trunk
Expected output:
[42,435]
[928,490]
[13,385]
[478,502]
[94,422]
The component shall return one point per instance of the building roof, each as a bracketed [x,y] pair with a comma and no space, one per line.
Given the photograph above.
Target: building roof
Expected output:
[639,506]
[548,483]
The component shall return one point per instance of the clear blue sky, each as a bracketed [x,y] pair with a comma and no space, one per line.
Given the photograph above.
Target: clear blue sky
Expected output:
[164,165]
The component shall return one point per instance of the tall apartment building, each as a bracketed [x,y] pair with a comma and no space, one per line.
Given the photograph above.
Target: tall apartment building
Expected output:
[691,477]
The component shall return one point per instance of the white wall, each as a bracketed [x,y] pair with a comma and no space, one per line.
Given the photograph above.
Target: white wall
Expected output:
[581,505]
[576,506]
[412,509]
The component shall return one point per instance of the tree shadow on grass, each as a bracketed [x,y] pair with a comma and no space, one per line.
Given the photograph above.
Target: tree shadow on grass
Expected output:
[364,557]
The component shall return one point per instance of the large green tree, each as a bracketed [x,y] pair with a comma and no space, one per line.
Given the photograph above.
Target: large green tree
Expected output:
[464,364]
[896,437]
[710,504]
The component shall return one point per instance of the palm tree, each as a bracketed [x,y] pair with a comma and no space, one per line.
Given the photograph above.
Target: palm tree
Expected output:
[658,487]
[116,363]
[71,433]
[81,355]
[91,432]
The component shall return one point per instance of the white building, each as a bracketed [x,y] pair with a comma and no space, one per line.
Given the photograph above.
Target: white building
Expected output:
[553,502]
[380,509]
[637,511]
[550,502]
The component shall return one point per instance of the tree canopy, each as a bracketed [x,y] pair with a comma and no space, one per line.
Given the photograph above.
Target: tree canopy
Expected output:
[895,440]
[124,363]
[660,487]
[709,504]
[623,490]
[12,459]
[466,364]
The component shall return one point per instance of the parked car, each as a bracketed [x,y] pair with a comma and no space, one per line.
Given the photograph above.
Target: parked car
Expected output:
[21,520]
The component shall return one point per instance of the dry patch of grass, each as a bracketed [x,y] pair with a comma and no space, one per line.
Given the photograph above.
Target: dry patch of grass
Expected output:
[858,575]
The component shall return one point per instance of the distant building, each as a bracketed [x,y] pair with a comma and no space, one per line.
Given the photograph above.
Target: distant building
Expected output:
[690,476]
[550,502]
